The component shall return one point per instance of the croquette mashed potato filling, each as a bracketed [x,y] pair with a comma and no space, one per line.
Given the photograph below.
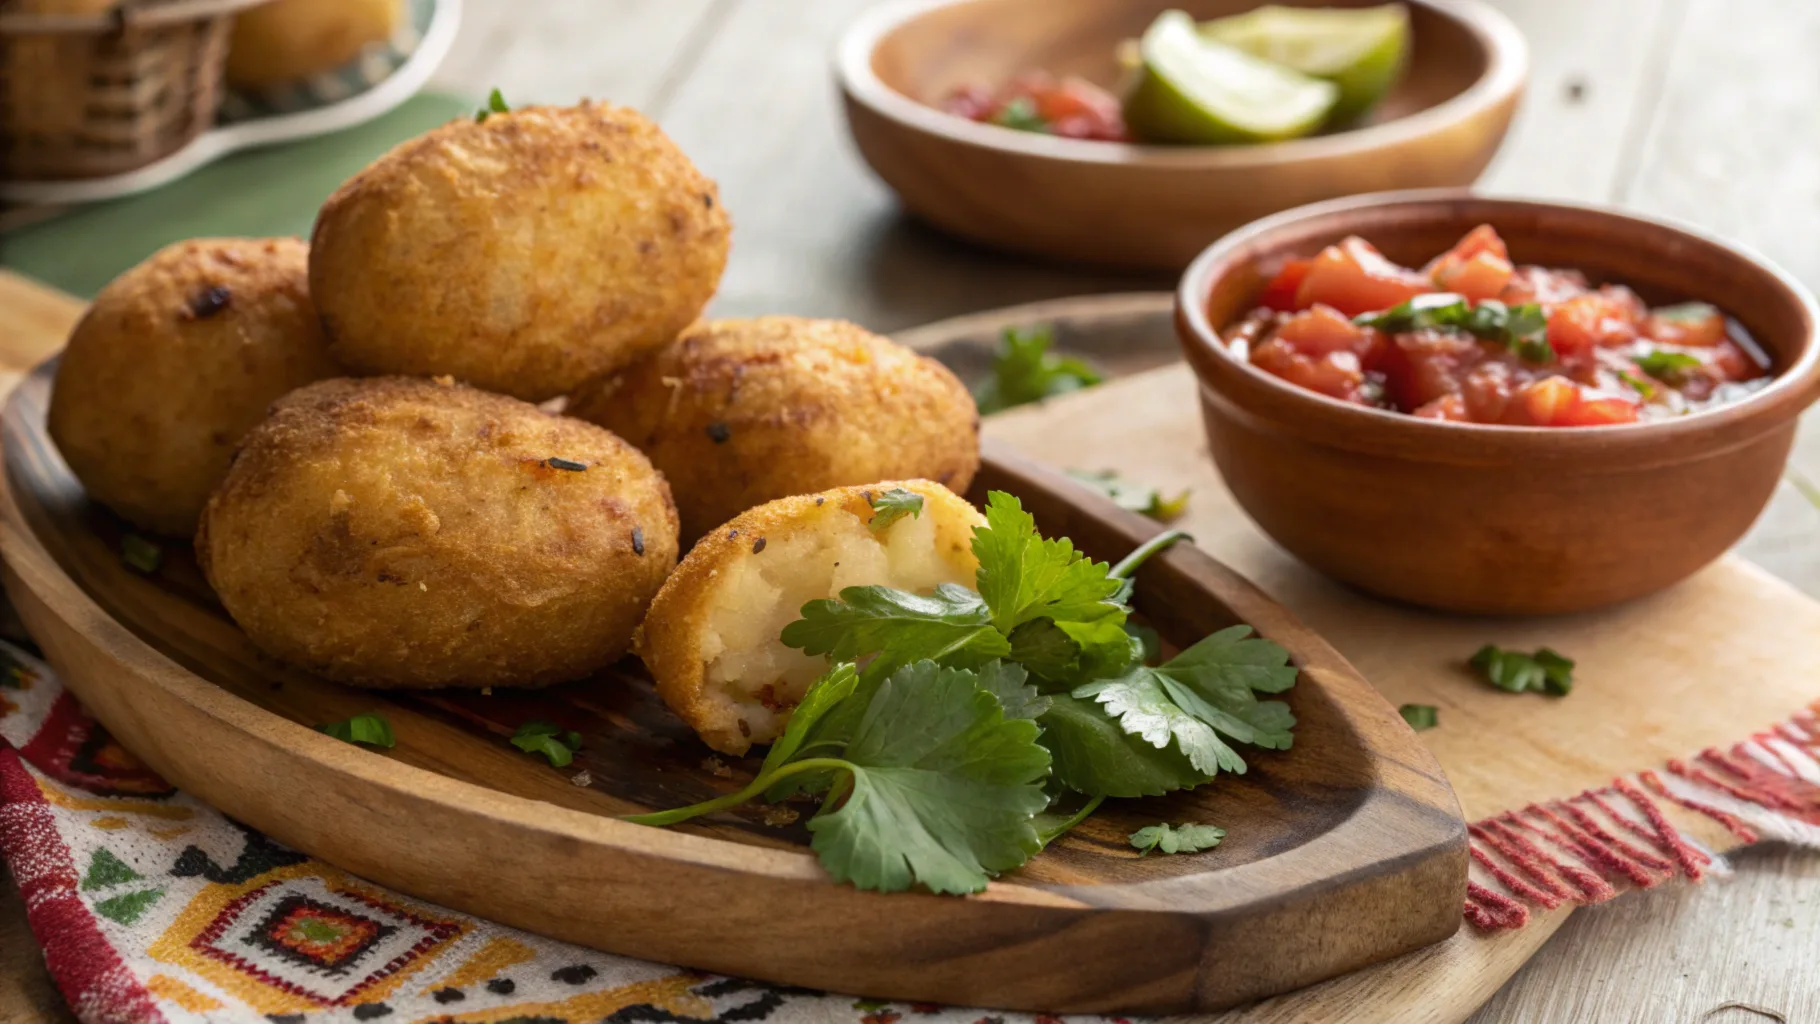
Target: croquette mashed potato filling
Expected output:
[711,638]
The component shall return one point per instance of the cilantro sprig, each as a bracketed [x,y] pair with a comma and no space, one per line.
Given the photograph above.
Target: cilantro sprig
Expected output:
[892,505]
[1516,672]
[1668,367]
[496,104]
[956,733]
[554,742]
[1025,371]
[1148,501]
[1176,838]
[370,729]
[1521,328]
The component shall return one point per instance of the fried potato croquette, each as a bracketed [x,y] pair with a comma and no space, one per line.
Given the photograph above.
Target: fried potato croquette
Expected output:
[739,412]
[711,636]
[395,532]
[286,40]
[522,254]
[173,363]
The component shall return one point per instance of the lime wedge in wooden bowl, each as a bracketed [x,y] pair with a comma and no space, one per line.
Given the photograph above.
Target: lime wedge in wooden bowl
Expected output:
[1195,90]
[1360,50]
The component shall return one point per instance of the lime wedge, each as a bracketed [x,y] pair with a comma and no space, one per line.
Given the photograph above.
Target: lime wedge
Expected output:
[1360,50]
[1197,91]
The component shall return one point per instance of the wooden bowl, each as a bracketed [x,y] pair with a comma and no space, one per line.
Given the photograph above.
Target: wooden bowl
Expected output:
[1494,519]
[1146,206]
[1346,850]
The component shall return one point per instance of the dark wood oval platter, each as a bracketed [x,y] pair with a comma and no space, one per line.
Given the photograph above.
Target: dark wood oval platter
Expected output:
[1345,850]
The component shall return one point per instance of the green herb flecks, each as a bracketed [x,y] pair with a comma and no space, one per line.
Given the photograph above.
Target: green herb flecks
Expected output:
[1147,501]
[892,505]
[1638,384]
[1523,328]
[1668,367]
[371,729]
[1021,114]
[1176,838]
[496,104]
[1516,672]
[1420,716]
[549,739]
[1025,371]
[140,554]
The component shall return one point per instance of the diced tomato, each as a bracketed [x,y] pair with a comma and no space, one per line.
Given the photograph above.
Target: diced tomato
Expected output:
[1482,240]
[1588,321]
[1539,284]
[1422,367]
[1337,374]
[1559,402]
[1280,293]
[1479,277]
[973,102]
[1078,109]
[1321,329]
[1487,391]
[1686,325]
[1597,412]
[1355,278]
[1447,407]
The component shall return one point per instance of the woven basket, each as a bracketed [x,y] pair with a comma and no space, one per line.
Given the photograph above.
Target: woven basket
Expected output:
[90,88]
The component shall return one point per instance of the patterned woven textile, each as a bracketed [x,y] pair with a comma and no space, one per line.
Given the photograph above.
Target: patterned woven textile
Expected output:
[153,907]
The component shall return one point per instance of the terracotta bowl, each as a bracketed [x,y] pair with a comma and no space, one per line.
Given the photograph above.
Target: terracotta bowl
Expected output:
[1494,519]
[1146,206]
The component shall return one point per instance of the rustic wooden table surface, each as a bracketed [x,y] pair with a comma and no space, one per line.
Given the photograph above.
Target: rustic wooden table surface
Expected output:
[1704,110]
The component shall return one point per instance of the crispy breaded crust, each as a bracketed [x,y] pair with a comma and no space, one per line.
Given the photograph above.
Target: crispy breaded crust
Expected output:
[396,532]
[173,363]
[669,640]
[521,255]
[739,412]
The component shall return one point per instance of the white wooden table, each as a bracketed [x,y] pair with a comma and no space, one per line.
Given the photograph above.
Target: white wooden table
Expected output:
[1704,110]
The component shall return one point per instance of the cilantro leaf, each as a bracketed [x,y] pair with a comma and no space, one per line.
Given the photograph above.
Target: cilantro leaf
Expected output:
[1023,576]
[1420,716]
[1009,683]
[1134,498]
[1668,367]
[1093,755]
[371,729]
[1638,384]
[1021,114]
[1054,823]
[835,685]
[894,504]
[1024,371]
[1176,839]
[1202,694]
[952,624]
[1523,329]
[549,739]
[943,788]
[496,104]
[140,554]
[1517,672]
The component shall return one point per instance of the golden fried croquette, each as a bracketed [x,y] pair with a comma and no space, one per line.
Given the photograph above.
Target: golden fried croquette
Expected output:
[173,363]
[522,254]
[711,636]
[395,532]
[286,40]
[739,412]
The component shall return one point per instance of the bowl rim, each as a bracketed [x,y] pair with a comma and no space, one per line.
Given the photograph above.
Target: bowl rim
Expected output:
[1787,394]
[1506,67]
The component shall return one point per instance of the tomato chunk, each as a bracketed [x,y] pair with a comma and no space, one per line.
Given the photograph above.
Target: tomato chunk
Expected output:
[1559,402]
[1446,407]
[1590,321]
[1321,329]
[1694,324]
[1355,278]
[1280,293]
[1479,277]
[1336,374]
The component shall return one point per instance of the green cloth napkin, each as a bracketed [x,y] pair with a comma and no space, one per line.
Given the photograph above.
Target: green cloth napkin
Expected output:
[260,192]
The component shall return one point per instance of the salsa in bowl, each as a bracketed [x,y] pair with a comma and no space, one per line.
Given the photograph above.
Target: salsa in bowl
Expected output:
[1486,453]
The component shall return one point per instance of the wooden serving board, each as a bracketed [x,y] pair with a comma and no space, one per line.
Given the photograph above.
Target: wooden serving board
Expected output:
[1341,852]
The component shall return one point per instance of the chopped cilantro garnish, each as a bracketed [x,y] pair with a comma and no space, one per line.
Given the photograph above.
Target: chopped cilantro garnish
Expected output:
[549,739]
[1177,838]
[140,554]
[1523,329]
[894,504]
[1420,716]
[1638,384]
[371,729]
[1666,366]
[496,104]
[1144,500]
[1024,371]
[1516,672]
[1022,115]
